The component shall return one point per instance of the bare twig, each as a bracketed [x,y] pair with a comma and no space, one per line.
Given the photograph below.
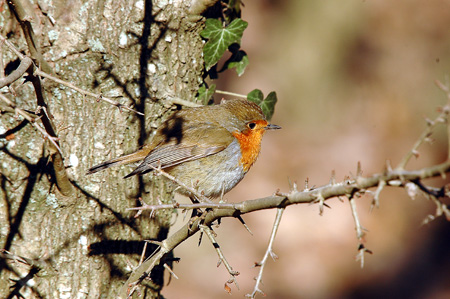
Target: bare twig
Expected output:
[446,90]
[359,229]
[269,252]
[359,233]
[5,254]
[133,282]
[12,47]
[434,194]
[31,120]
[431,124]
[227,93]
[376,196]
[202,205]
[222,259]
[24,15]
[85,92]
[182,102]
[17,73]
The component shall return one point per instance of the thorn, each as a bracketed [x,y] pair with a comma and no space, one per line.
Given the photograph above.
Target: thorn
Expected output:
[441,120]
[256,264]
[358,170]
[441,86]
[376,197]
[273,255]
[429,140]
[428,219]
[320,199]
[333,177]
[170,271]
[294,186]
[244,224]
[388,166]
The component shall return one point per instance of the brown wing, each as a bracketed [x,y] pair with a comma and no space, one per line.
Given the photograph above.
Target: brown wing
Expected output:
[203,140]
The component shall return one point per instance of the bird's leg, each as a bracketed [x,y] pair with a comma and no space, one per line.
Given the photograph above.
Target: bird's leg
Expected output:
[198,214]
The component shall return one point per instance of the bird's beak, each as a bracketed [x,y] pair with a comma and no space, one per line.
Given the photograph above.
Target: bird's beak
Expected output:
[272,127]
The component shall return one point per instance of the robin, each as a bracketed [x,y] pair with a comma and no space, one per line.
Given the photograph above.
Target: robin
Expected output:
[210,148]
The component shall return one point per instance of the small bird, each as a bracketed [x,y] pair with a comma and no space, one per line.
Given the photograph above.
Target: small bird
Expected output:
[209,148]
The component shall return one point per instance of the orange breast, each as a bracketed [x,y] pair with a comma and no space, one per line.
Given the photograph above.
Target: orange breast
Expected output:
[250,143]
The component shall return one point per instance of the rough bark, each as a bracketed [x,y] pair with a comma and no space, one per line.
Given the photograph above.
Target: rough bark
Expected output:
[139,52]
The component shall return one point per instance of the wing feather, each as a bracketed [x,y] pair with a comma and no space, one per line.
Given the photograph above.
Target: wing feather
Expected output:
[204,140]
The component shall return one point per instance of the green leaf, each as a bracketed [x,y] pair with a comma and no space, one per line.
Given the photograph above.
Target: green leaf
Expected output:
[267,105]
[256,96]
[220,38]
[239,65]
[205,94]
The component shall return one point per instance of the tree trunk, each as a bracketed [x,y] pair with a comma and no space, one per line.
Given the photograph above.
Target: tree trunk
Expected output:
[139,53]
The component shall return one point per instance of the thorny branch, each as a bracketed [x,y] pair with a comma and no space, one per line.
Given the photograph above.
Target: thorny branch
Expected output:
[396,178]
[431,124]
[392,178]
[17,73]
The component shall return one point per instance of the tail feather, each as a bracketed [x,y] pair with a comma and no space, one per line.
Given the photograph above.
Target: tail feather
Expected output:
[130,158]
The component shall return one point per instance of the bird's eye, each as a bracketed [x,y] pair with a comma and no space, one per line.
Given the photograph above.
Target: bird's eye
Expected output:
[251,126]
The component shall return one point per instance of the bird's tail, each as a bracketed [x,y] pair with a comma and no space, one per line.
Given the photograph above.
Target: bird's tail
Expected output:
[130,158]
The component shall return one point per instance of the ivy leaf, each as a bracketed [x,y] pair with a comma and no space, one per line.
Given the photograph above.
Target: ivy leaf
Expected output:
[220,38]
[238,60]
[239,65]
[267,105]
[205,94]
[256,96]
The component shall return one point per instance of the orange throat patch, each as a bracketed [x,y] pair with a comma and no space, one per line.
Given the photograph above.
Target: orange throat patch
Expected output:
[250,143]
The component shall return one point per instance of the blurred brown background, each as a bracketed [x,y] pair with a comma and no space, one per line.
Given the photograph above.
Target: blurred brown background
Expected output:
[355,81]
